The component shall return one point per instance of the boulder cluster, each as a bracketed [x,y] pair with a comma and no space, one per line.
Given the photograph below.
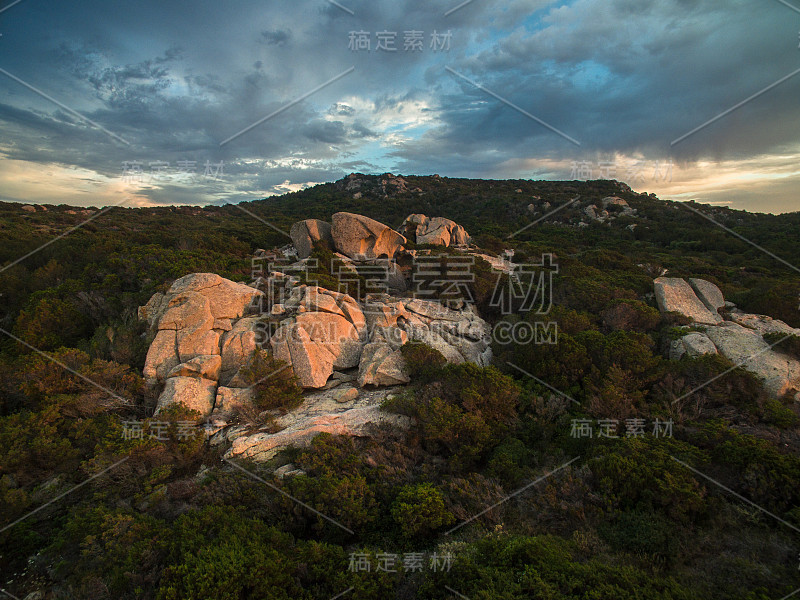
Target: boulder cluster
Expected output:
[437,231]
[384,185]
[207,329]
[360,238]
[323,331]
[611,207]
[718,327]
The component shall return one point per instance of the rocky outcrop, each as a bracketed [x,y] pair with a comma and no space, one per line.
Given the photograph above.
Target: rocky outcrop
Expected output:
[617,203]
[344,352]
[192,322]
[675,295]
[202,340]
[746,347]
[325,330]
[739,339]
[306,233]
[437,231]
[693,345]
[321,412]
[362,238]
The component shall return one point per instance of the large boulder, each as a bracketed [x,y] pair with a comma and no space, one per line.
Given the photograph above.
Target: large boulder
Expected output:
[190,320]
[237,348]
[693,345]
[305,233]
[162,356]
[317,299]
[227,300]
[382,365]
[316,343]
[155,307]
[229,401]
[194,393]
[675,295]
[437,231]
[746,347]
[362,238]
[708,293]
[202,367]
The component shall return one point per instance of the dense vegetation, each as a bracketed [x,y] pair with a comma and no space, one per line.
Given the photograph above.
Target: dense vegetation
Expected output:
[490,484]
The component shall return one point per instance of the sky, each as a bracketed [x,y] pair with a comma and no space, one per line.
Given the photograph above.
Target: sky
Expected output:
[174,103]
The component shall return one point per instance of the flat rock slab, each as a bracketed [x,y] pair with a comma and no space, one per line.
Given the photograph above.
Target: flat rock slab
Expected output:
[745,347]
[708,293]
[319,413]
[676,295]
[763,324]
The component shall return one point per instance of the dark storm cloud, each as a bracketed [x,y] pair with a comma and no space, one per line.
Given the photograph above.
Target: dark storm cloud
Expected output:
[279,37]
[620,76]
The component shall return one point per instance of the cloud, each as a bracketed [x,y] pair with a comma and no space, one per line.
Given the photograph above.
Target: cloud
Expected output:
[278,37]
[624,78]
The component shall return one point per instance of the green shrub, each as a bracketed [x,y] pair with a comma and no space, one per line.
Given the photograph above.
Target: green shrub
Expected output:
[419,510]
[789,344]
[649,535]
[49,323]
[273,381]
[777,413]
[507,567]
[463,413]
[222,553]
[422,361]
[752,466]
[640,474]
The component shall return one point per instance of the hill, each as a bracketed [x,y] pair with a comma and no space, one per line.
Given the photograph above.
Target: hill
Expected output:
[601,464]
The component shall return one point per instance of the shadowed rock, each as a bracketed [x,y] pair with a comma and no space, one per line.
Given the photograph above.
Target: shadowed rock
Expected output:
[362,238]
[305,233]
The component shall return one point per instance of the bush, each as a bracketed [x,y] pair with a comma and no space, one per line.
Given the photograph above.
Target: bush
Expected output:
[640,474]
[647,534]
[219,552]
[777,413]
[274,382]
[752,467]
[422,361]
[336,483]
[506,567]
[789,345]
[49,323]
[463,413]
[419,510]
[632,315]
